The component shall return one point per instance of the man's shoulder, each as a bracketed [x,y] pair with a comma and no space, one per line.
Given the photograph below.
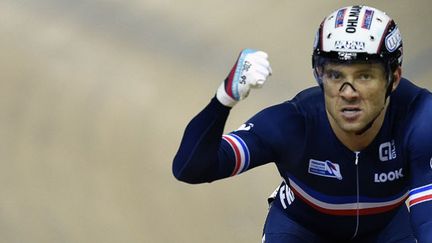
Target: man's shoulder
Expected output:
[288,118]
[301,103]
[412,104]
[308,95]
[309,101]
[407,93]
[291,115]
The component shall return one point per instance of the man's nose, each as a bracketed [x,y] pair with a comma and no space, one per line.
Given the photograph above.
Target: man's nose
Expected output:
[341,89]
[348,91]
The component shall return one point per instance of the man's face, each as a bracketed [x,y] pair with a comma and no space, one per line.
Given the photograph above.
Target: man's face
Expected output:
[354,94]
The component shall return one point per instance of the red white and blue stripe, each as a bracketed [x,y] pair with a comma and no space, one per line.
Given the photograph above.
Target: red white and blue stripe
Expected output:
[340,18]
[367,19]
[241,152]
[345,205]
[419,195]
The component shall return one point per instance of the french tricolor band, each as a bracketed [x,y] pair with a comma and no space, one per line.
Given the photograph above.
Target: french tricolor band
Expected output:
[419,195]
[241,152]
[345,206]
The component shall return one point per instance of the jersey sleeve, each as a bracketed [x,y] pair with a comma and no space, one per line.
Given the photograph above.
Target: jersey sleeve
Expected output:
[205,154]
[420,159]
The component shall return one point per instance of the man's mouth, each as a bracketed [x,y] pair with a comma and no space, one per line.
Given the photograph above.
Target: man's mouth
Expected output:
[351,113]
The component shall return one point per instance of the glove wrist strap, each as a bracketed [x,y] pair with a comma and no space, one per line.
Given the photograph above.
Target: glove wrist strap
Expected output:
[224,98]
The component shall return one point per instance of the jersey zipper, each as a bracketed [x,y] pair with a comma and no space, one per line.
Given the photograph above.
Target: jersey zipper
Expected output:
[357,153]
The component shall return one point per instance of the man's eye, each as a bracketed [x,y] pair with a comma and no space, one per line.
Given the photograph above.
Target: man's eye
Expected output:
[365,76]
[334,75]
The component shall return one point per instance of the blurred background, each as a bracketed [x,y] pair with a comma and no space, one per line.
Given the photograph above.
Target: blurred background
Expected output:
[95,95]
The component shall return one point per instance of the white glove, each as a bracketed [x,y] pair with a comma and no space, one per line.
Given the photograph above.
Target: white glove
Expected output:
[250,71]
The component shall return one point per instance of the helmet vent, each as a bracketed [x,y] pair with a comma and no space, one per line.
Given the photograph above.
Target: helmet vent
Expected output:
[372,38]
[379,20]
[329,35]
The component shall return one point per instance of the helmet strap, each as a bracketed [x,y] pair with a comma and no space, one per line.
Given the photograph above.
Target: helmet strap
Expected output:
[391,79]
[369,125]
[388,92]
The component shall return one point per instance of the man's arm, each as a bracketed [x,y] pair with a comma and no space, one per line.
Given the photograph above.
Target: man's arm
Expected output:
[420,158]
[204,155]
[197,159]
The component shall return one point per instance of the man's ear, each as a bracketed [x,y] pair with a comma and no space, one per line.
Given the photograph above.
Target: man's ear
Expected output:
[397,75]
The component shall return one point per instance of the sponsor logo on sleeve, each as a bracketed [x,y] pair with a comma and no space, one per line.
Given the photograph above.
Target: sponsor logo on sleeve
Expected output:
[245,127]
[286,196]
[325,169]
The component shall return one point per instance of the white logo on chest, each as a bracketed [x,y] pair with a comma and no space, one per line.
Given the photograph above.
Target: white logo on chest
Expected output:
[390,176]
[324,168]
[387,151]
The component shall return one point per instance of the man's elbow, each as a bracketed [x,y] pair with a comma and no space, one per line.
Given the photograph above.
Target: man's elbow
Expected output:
[182,176]
[188,179]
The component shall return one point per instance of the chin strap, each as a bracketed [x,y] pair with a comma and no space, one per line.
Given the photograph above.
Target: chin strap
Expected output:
[369,125]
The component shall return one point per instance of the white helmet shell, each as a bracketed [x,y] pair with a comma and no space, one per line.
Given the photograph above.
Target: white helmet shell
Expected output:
[358,33]
[355,29]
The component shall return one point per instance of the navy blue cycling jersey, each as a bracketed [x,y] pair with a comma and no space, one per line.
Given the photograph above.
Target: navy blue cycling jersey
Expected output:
[326,187]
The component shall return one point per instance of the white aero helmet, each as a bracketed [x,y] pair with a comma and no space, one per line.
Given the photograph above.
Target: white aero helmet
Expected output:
[357,34]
